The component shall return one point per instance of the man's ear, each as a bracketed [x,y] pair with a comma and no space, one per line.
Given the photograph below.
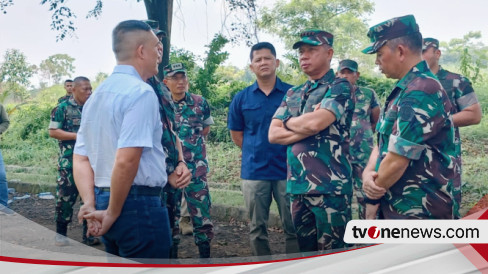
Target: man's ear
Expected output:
[330,52]
[140,51]
[401,51]
[277,63]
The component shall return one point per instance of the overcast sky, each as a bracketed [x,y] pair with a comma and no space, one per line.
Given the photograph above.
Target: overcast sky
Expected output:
[26,27]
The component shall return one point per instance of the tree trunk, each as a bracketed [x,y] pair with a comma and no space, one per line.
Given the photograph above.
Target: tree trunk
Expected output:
[162,11]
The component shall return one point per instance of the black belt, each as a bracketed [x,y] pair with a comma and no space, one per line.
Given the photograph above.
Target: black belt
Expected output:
[138,190]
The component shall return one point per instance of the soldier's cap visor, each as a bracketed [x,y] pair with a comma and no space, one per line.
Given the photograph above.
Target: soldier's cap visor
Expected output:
[374,47]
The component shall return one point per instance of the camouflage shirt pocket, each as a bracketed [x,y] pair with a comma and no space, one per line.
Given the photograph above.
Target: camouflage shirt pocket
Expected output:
[385,126]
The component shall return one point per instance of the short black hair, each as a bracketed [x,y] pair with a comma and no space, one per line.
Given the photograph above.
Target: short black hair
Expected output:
[81,79]
[124,27]
[68,81]
[263,45]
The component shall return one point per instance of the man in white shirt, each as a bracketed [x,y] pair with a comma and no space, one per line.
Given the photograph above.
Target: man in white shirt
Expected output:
[119,164]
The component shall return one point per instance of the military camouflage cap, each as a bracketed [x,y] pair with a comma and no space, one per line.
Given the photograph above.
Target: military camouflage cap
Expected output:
[390,29]
[155,27]
[172,69]
[314,37]
[430,42]
[348,64]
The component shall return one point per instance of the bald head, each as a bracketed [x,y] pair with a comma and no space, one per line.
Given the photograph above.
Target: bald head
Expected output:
[127,37]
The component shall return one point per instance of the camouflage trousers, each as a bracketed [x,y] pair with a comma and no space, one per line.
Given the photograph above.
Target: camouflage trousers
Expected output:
[320,220]
[172,199]
[357,176]
[457,186]
[66,196]
[198,201]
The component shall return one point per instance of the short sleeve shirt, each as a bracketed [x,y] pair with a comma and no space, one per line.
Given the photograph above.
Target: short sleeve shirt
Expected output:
[460,93]
[67,117]
[416,123]
[251,112]
[361,132]
[123,112]
[320,163]
[192,116]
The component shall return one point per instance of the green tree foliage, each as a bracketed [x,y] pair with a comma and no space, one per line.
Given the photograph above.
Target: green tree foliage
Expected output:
[57,66]
[341,18]
[468,55]
[206,79]
[15,73]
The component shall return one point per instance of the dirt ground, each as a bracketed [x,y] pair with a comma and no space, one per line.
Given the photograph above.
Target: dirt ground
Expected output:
[231,237]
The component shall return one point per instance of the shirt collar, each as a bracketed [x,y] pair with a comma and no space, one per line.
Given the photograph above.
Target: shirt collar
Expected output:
[441,73]
[279,86]
[418,69]
[72,101]
[327,78]
[127,69]
[187,99]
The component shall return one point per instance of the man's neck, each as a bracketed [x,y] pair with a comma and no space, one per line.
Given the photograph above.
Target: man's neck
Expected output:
[435,69]
[142,73]
[178,97]
[319,75]
[266,84]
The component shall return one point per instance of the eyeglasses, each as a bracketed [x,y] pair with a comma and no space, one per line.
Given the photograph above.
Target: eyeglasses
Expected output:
[175,78]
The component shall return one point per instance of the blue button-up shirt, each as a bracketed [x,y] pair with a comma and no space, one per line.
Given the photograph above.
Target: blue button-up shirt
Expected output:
[251,111]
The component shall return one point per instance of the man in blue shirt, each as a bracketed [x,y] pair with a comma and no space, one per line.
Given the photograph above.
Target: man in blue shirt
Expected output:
[263,168]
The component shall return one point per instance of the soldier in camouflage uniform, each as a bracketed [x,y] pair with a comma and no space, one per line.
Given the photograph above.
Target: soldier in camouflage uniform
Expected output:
[68,86]
[366,114]
[412,169]
[65,122]
[178,174]
[466,108]
[193,122]
[314,120]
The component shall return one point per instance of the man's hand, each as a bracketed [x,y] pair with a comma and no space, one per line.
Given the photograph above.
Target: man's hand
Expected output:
[180,178]
[84,210]
[369,186]
[184,175]
[100,221]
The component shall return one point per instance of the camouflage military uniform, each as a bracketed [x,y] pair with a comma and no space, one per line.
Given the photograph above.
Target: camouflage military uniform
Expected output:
[361,143]
[170,197]
[461,94]
[66,116]
[416,123]
[192,116]
[319,171]
[63,98]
